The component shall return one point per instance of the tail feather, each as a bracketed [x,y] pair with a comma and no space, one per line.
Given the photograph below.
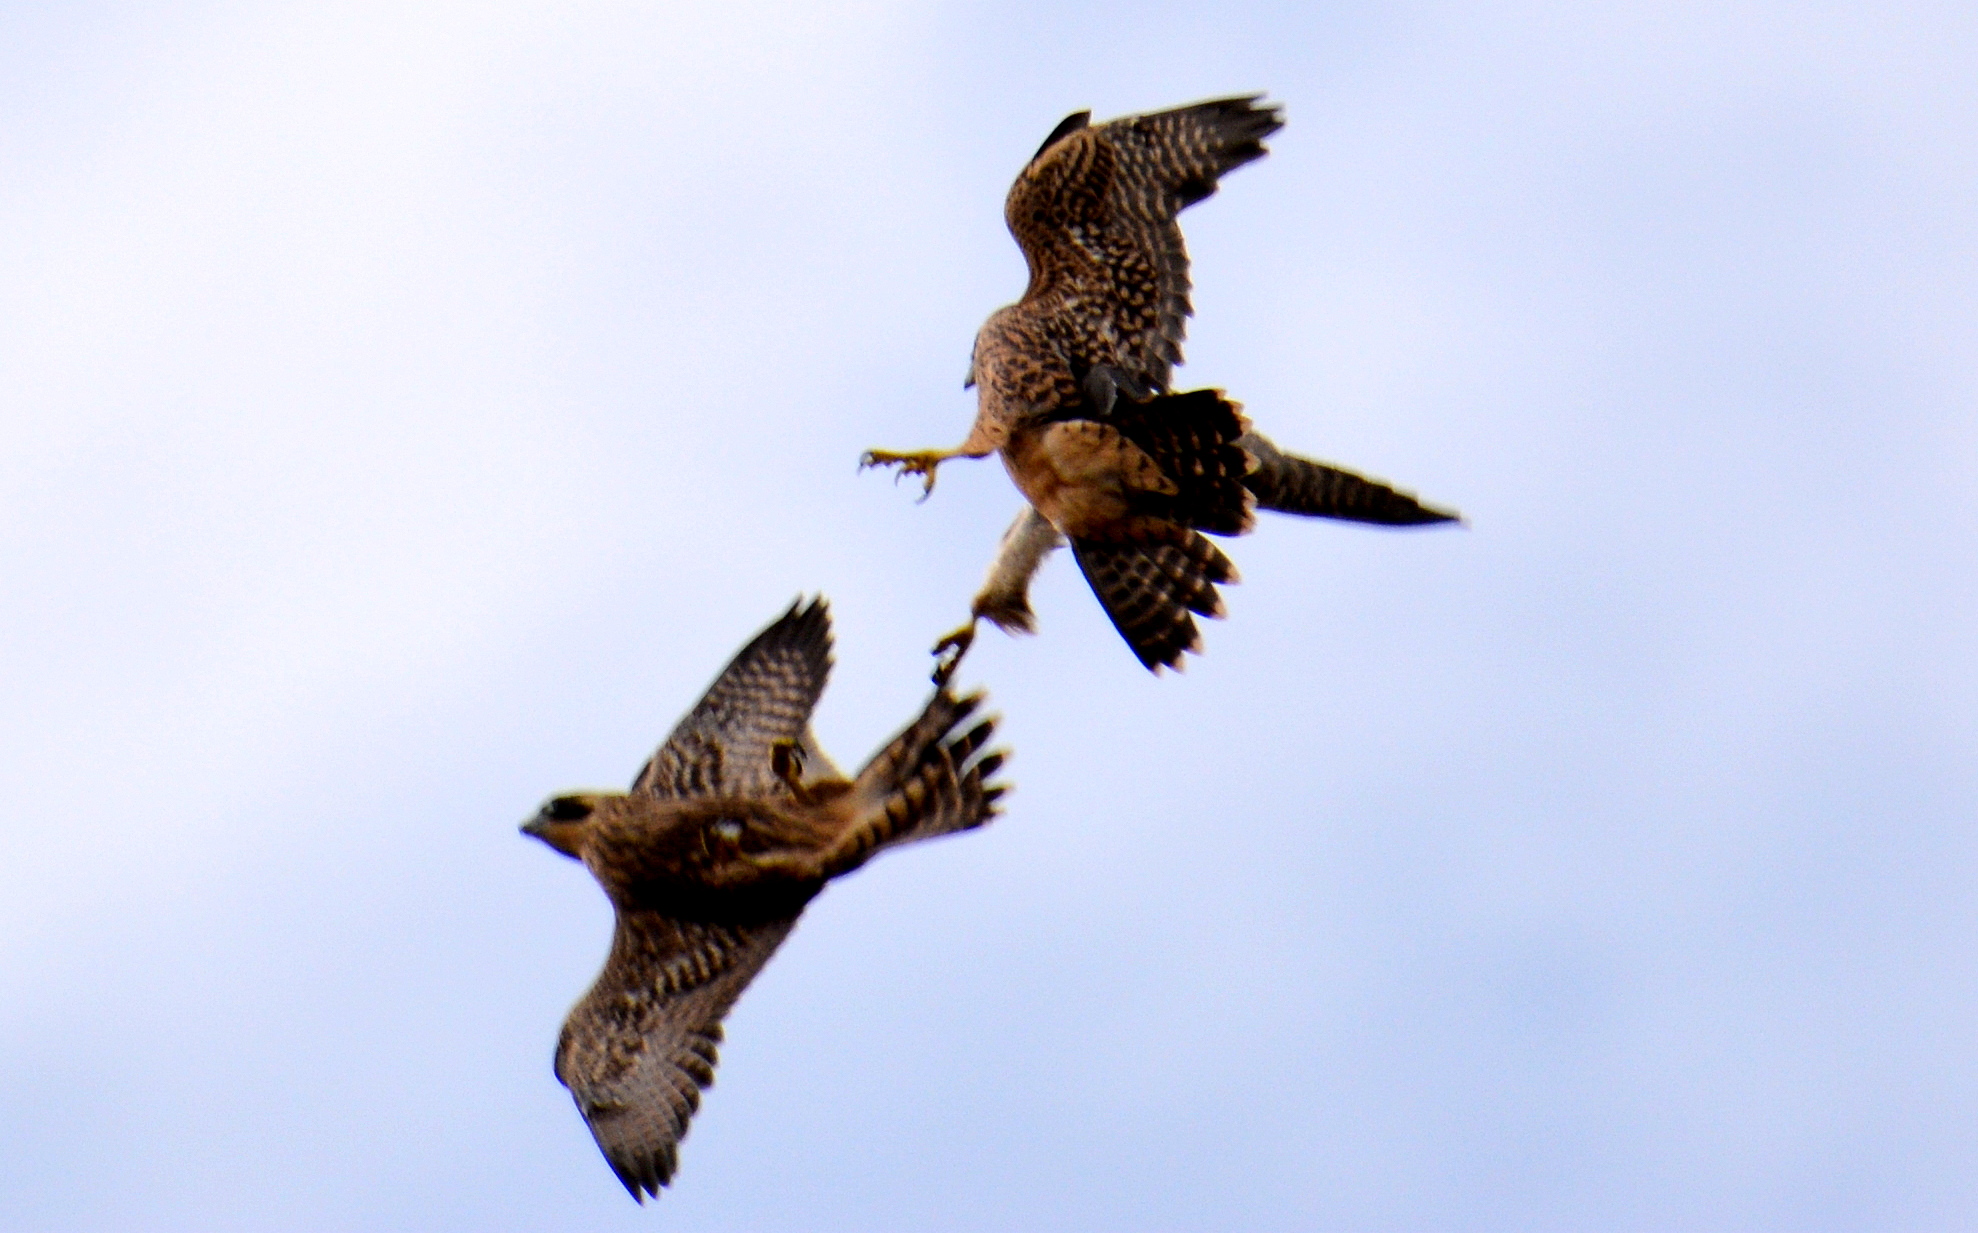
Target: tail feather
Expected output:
[1150,587]
[1294,485]
[932,779]
[1197,439]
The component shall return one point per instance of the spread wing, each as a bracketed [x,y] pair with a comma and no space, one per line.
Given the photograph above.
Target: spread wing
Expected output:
[1095,213]
[764,695]
[637,1050]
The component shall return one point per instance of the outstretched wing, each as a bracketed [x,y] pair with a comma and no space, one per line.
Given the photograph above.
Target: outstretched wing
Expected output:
[765,695]
[637,1050]
[1095,213]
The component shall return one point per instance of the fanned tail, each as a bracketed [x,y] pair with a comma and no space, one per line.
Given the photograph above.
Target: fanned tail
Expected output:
[1294,485]
[1150,586]
[932,779]
[1198,440]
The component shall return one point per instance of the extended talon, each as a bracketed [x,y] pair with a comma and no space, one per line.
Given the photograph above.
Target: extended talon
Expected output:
[948,652]
[921,463]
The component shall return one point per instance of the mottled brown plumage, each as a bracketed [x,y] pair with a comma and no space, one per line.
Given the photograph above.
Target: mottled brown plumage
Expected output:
[1151,589]
[1073,380]
[734,825]
[1107,305]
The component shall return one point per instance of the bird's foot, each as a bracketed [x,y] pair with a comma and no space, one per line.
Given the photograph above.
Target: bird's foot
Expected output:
[920,462]
[786,762]
[949,650]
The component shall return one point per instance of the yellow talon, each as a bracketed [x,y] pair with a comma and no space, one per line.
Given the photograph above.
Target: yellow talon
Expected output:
[922,463]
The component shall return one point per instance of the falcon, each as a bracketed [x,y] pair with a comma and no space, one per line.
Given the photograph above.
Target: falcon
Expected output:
[1073,389]
[732,827]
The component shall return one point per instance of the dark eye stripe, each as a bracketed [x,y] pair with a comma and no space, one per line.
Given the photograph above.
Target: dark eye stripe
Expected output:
[568,809]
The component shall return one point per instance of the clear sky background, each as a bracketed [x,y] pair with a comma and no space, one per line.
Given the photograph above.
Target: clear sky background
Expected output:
[407,411]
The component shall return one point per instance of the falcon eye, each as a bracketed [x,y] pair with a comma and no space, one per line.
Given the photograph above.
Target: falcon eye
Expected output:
[568,809]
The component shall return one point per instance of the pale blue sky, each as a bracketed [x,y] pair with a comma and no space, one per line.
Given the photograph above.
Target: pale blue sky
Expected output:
[407,412]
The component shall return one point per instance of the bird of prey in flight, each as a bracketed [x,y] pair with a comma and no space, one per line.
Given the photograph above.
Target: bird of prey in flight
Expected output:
[733,826]
[1073,389]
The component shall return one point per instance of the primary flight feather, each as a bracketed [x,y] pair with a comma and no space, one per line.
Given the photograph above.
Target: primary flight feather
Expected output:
[735,824]
[1073,386]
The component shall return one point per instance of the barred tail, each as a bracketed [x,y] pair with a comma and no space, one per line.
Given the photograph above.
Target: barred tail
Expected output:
[1294,485]
[1197,438]
[1149,587]
[932,779]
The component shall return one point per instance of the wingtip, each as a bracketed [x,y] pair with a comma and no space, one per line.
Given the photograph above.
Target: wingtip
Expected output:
[1261,104]
[1066,127]
[640,1184]
[807,620]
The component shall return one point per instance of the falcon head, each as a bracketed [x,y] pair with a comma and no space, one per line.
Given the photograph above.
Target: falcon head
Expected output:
[563,821]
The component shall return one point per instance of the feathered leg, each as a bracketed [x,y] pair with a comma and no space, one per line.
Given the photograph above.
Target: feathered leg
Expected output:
[1004,599]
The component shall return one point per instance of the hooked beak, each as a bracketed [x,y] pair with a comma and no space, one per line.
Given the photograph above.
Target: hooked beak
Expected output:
[563,835]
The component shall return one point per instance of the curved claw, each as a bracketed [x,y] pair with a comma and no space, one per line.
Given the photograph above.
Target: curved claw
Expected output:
[786,762]
[922,464]
[948,652]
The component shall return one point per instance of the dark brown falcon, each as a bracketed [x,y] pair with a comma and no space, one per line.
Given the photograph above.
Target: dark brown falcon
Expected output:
[734,825]
[1073,387]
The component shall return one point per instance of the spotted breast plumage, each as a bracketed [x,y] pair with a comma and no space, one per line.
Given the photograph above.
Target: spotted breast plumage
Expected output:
[731,828]
[1073,388]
